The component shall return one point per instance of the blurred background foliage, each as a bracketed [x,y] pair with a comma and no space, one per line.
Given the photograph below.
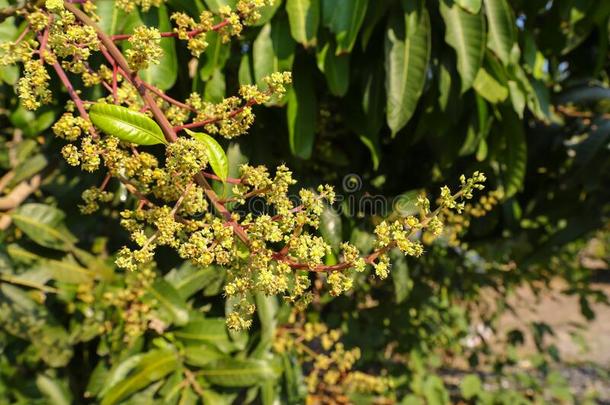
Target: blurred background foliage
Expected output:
[407,95]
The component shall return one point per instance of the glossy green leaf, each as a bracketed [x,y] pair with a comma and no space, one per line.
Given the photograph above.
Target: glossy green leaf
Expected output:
[304,17]
[216,155]
[465,33]
[472,6]
[406,62]
[67,271]
[238,373]
[273,50]
[44,225]
[344,18]
[335,68]
[151,367]
[301,114]
[403,284]
[28,168]
[489,87]
[331,227]
[266,308]
[171,301]
[501,28]
[215,5]
[127,125]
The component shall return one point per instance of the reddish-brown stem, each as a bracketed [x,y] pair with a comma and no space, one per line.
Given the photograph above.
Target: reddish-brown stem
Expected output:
[102,186]
[231,180]
[191,34]
[214,119]
[22,35]
[167,98]
[43,41]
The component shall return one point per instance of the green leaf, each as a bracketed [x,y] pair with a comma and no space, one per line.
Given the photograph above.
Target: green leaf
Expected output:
[472,6]
[344,18]
[403,284]
[489,87]
[435,391]
[201,355]
[272,51]
[216,155]
[215,55]
[127,125]
[171,301]
[304,16]
[515,153]
[55,391]
[215,87]
[267,12]
[331,227]
[406,62]
[215,5]
[466,35]
[151,367]
[209,330]
[266,308]
[164,74]
[28,168]
[44,225]
[335,68]
[301,114]
[238,373]
[470,386]
[67,271]
[501,28]
[112,18]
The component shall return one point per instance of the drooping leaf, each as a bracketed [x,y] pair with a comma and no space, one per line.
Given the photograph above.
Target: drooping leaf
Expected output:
[216,155]
[215,87]
[238,373]
[273,51]
[112,18]
[151,367]
[465,33]
[171,301]
[266,308]
[472,6]
[330,227]
[27,168]
[501,28]
[127,125]
[515,154]
[406,61]
[304,16]
[335,68]
[44,225]
[344,18]
[489,87]
[301,114]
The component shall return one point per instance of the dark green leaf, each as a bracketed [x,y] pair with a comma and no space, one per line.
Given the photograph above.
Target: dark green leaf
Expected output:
[465,33]
[301,114]
[44,225]
[304,16]
[238,373]
[501,23]
[171,301]
[344,18]
[406,61]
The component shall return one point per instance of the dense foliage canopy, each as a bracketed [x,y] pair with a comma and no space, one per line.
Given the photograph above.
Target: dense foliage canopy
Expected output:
[150,253]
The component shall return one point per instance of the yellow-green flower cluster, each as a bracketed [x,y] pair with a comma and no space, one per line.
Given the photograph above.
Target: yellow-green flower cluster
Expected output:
[72,42]
[92,197]
[193,32]
[33,87]
[70,127]
[130,5]
[145,48]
